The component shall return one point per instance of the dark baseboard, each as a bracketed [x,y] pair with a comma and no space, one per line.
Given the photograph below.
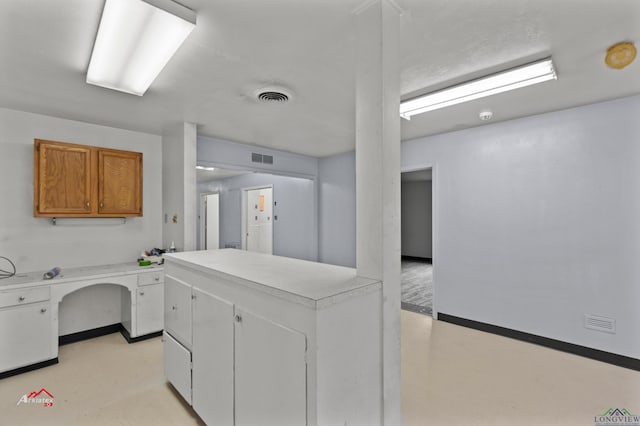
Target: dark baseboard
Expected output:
[130,339]
[418,259]
[89,334]
[28,368]
[608,357]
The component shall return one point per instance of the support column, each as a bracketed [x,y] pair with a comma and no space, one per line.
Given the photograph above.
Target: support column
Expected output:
[378,178]
[179,198]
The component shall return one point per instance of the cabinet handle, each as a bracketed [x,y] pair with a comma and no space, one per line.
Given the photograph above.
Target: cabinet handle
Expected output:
[142,293]
[174,307]
[101,204]
[21,299]
[43,310]
[87,204]
[157,278]
[238,318]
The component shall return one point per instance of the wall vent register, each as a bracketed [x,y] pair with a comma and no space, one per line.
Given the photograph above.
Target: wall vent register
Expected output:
[598,323]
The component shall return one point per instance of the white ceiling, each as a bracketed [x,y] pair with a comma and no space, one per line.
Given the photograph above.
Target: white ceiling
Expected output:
[239,46]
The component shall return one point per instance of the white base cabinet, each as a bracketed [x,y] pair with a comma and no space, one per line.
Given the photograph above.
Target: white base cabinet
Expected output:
[264,350]
[24,333]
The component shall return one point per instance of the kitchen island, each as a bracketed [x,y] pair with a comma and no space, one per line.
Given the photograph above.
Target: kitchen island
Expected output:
[253,339]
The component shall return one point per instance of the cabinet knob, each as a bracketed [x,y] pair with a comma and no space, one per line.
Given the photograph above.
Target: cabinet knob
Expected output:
[101,204]
[43,310]
[87,204]
[174,307]
[157,278]
[238,318]
[21,299]
[142,293]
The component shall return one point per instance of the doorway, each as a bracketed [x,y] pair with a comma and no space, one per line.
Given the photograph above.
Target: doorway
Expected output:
[209,221]
[417,241]
[257,220]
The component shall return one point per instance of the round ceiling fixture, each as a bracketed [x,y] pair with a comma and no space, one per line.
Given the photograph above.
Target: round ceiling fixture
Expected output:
[620,55]
[485,115]
[273,95]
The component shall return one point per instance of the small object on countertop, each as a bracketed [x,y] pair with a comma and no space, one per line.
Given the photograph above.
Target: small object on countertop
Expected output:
[54,272]
[172,248]
[144,263]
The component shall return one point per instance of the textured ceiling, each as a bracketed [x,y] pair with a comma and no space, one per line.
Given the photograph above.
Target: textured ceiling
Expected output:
[307,47]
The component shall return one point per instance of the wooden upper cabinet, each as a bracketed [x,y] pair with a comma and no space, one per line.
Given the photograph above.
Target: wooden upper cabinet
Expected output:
[73,180]
[119,183]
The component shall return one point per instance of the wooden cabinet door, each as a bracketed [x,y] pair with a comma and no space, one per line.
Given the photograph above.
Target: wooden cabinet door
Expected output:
[212,359]
[62,179]
[119,183]
[270,365]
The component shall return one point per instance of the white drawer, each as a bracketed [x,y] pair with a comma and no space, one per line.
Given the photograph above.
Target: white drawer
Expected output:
[22,297]
[147,278]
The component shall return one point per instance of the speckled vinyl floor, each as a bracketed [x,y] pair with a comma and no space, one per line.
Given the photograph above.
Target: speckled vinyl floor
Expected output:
[451,375]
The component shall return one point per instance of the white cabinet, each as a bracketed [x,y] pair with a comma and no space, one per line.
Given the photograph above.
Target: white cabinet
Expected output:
[177,366]
[212,358]
[150,309]
[177,310]
[24,331]
[273,341]
[270,372]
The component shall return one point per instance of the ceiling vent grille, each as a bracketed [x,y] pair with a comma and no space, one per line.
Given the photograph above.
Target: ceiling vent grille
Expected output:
[596,322]
[261,158]
[272,96]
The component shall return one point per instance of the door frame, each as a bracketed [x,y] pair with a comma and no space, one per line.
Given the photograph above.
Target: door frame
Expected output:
[244,213]
[435,205]
[203,217]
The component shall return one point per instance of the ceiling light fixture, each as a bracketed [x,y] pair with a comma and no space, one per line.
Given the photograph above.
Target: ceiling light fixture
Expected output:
[526,75]
[135,41]
[205,168]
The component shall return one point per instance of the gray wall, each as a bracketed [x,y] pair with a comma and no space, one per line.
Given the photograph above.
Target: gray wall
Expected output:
[34,244]
[337,209]
[416,218]
[294,232]
[537,222]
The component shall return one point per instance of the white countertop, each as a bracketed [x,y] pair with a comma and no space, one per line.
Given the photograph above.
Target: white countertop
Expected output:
[28,279]
[310,280]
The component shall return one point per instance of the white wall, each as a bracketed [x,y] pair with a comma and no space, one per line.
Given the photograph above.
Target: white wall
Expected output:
[416,218]
[219,152]
[337,209]
[294,232]
[537,222]
[34,244]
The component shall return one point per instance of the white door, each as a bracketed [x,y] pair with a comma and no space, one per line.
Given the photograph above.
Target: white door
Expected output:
[209,221]
[260,220]
[177,366]
[271,381]
[25,335]
[149,308]
[212,358]
[177,309]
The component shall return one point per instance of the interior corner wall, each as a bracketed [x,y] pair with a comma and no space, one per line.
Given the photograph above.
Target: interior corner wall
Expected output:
[35,244]
[179,186]
[416,218]
[537,222]
[337,209]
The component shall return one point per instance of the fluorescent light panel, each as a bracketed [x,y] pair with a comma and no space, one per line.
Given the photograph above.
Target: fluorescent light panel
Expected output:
[205,168]
[135,41]
[526,75]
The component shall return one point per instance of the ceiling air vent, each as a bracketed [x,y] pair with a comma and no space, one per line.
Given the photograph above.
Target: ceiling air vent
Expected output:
[596,322]
[270,96]
[261,158]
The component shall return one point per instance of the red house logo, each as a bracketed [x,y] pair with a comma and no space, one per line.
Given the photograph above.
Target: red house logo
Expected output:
[42,396]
